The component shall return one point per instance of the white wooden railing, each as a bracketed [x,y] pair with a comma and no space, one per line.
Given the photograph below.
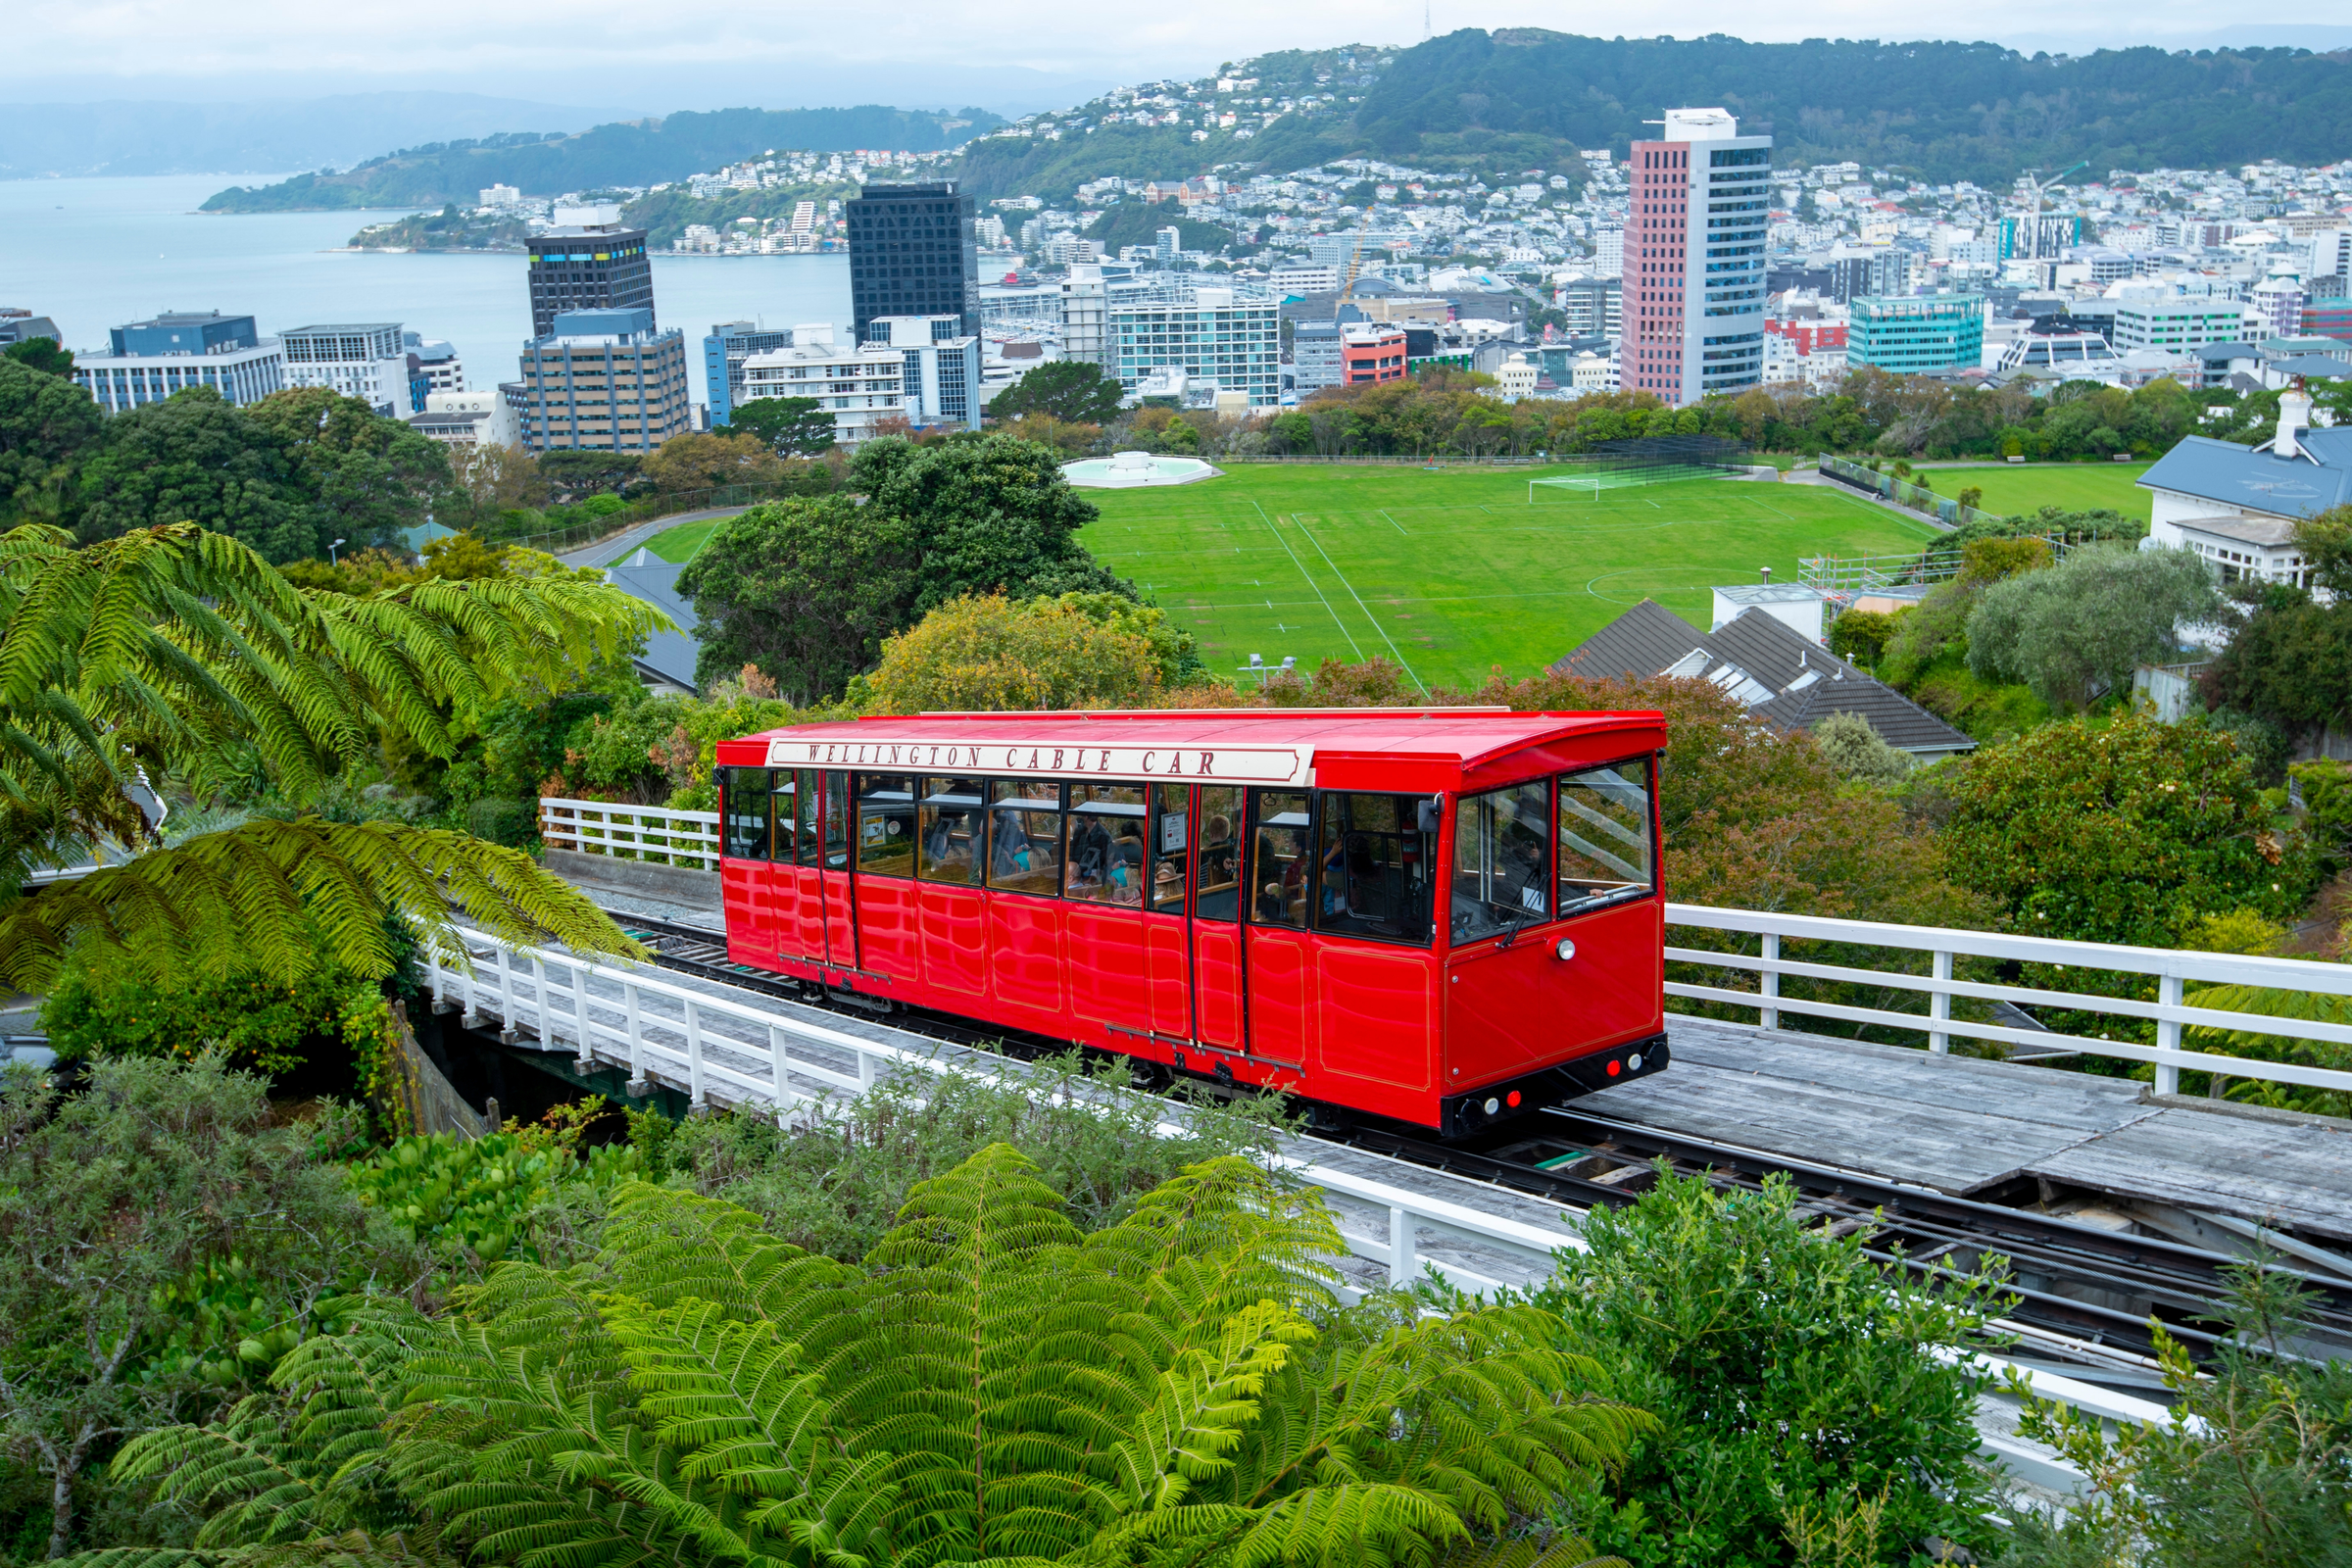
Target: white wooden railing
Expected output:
[738,1051]
[2173,970]
[630,832]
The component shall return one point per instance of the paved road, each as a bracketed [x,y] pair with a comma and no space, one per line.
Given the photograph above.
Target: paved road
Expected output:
[605,552]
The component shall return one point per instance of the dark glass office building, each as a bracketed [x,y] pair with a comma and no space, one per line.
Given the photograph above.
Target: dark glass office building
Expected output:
[912,253]
[588,269]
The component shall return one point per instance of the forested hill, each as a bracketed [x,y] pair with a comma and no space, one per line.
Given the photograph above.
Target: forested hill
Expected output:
[1944,110]
[641,152]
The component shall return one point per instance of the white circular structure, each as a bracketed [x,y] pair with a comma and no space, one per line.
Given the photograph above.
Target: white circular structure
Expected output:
[1123,470]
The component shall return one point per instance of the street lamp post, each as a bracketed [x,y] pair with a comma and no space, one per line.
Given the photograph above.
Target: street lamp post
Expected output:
[332,549]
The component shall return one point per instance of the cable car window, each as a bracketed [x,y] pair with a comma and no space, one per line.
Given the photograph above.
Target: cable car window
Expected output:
[1279,870]
[885,824]
[1169,847]
[1501,868]
[743,800]
[783,814]
[952,818]
[1374,868]
[1605,834]
[1104,861]
[1217,876]
[1025,834]
[837,822]
[811,832]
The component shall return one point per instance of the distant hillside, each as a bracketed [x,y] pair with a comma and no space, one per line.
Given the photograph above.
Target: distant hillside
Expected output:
[145,136]
[1525,98]
[645,152]
[1945,111]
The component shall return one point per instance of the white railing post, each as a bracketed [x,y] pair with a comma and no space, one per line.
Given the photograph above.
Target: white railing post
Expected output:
[505,996]
[1939,1006]
[1401,1246]
[637,1083]
[1768,983]
[780,1064]
[2167,1034]
[586,1060]
[694,1056]
[865,1072]
[544,1024]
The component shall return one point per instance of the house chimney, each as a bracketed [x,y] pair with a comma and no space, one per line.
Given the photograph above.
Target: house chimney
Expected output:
[2294,414]
[1768,570]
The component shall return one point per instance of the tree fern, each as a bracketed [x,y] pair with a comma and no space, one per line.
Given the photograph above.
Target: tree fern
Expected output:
[175,654]
[1183,1391]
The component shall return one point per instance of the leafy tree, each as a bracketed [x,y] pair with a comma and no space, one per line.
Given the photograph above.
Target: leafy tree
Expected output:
[195,457]
[686,462]
[2084,624]
[1181,1387]
[496,478]
[174,654]
[575,473]
[1072,390]
[43,354]
[120,1208]
[1071,440]
[45,425]
[1788,1372]
[369,476]
[2289,661]
[791,427]
[1859,752]
[1861,634]
[991,653]
[2127,832]
[995,515]
[805,590]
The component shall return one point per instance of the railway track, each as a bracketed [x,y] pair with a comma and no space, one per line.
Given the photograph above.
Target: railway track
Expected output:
[2082,1295]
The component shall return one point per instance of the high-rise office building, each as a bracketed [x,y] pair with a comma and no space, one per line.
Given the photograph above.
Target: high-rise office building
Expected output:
[913,252]
[1916,333]
[729,344]
[598,267]
[604,380]
[363,359]
[1231,336]
[1694,259]
[152,360]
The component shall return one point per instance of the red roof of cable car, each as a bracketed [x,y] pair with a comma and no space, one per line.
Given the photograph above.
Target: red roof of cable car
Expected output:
[1362,748]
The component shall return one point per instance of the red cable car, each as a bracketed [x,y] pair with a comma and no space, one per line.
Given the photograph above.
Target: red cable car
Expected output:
[1443,916]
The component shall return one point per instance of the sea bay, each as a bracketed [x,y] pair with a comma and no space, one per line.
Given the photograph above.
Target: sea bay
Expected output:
[95,252]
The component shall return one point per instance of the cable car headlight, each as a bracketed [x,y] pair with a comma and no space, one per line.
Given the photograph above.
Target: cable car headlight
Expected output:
[1633,1061]
[1493,1105]
[1566,949]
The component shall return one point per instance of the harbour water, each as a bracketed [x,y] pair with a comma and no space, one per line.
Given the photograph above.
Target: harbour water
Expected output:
[95,252]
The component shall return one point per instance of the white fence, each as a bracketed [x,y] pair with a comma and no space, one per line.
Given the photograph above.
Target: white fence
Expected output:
[730,1050]
[2172,969]
[630,832]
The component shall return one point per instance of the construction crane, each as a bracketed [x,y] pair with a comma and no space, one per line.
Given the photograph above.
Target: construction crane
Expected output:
[2041,190]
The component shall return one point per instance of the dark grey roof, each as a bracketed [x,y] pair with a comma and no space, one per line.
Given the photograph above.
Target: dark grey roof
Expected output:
[670,655]
[1785,677]
[1639,643]
[2242,478]
[1901,723]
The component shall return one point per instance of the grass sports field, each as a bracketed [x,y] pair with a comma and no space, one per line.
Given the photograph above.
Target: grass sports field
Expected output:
[680,543]
[1453,571]
[2028,487]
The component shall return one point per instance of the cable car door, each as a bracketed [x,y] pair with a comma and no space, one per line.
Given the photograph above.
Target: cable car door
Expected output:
[1219,1008]
[1167,930]
[803,938]
[840,925]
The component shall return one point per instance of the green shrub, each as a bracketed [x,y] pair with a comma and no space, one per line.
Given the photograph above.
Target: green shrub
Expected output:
[479,1195]
[502,819]
[1796,1380]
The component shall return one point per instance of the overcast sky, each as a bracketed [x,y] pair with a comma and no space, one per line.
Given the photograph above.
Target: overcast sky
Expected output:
[678,54]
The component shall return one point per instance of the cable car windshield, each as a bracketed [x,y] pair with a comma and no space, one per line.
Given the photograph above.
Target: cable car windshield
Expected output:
[1605,834]
[1501,872]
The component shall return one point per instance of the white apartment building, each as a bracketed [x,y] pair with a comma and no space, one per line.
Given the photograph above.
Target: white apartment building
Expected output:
[1303,280]
[942,369]
[365,360]
[2142,323]
[469,418]
[443,370]
[150,361]
[859,386]
[1227,335]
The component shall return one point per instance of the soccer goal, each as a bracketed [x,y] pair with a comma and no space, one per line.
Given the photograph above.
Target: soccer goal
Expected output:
[1652,460]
